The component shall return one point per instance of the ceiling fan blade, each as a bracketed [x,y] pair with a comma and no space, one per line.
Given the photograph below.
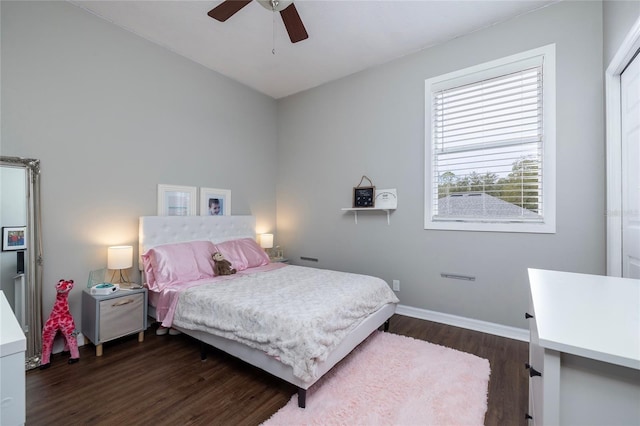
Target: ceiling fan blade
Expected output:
[293,24]
[227,9]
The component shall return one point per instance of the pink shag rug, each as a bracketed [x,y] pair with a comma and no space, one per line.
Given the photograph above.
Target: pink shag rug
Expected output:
[395,380]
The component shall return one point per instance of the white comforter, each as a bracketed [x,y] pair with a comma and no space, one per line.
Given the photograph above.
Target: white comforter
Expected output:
[294,313]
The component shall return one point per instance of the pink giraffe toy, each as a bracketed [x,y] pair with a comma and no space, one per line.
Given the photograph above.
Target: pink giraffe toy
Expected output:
[60,319]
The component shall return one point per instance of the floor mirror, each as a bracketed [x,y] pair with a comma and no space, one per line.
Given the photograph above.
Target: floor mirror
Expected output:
[21,256]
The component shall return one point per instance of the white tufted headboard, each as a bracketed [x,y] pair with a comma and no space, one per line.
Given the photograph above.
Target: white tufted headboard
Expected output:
[157,230]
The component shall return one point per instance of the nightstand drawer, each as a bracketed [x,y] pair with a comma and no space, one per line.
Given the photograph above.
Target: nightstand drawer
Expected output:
[121,317]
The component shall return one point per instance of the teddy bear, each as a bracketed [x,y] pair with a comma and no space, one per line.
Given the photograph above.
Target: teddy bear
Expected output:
[221,266]
[61,320]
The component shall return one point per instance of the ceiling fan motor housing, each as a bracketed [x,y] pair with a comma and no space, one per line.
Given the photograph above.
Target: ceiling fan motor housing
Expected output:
[288,12]
[275,5]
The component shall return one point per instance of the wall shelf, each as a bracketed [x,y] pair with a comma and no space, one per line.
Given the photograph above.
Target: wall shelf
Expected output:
[367,209]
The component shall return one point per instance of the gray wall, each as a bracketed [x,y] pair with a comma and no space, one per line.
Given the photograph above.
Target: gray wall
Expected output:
[111,116]
[619,17]
[373,123]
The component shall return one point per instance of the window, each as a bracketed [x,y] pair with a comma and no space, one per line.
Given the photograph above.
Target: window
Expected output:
[490,146]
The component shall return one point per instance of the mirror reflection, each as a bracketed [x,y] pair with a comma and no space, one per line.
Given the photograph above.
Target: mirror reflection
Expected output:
[21,255]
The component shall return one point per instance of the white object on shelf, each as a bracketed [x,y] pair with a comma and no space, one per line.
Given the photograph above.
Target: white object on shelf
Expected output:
[386,198]
[367,209]
[585,343]
[13,345]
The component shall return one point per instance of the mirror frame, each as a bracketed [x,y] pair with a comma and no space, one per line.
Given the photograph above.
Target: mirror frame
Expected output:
[33,258]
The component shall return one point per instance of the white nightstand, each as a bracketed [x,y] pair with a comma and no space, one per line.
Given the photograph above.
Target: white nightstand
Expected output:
[120,314]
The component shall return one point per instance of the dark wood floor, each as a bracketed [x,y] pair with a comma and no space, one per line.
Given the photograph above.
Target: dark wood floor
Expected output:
[163,382]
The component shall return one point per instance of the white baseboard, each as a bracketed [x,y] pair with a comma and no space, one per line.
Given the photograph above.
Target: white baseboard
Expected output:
[468,323]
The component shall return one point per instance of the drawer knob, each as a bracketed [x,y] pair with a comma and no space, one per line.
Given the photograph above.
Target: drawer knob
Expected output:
[527,315]
[528,416]
[122,302]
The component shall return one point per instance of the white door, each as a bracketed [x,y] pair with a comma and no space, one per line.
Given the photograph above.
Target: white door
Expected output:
[630,120]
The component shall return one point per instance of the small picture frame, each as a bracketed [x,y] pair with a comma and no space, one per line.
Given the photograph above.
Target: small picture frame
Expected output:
[364,197]
[215,202]
[14,238]
[175,200]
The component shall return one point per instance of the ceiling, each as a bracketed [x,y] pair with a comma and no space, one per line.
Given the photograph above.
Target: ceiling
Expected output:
[345,36]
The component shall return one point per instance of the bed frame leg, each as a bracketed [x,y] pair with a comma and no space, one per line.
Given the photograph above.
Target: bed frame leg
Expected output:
[203,351]
[386,324]
[302,397]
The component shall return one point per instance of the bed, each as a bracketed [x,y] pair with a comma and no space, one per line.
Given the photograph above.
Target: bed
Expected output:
[291,321]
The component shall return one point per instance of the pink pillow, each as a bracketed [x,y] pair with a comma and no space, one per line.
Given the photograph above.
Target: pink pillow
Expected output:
[243,253]
[150,279]
[176,263]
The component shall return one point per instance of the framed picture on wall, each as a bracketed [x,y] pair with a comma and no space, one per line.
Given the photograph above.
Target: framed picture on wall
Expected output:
[364,196]
[14,238]
[215,202]
[174,200]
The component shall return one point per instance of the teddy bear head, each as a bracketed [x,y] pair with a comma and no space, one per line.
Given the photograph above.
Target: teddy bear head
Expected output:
[217,256]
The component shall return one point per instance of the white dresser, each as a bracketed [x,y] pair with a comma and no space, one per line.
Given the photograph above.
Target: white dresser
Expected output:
[584,351]
[13,345]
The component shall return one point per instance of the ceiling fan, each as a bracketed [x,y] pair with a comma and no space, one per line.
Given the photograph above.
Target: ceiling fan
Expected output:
[287,9]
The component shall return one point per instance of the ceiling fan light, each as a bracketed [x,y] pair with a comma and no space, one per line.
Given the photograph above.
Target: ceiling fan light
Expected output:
[275,5]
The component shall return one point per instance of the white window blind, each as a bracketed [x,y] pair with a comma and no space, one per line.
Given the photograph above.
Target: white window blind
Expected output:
[490,145]
[487,149]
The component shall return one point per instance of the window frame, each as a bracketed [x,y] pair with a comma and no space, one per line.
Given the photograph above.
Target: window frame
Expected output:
[478,73]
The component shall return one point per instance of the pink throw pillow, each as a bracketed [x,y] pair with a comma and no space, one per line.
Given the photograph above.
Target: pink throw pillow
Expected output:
[243,253]
[176,263]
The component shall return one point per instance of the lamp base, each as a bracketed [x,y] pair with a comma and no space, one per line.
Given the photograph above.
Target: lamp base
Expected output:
[123,278]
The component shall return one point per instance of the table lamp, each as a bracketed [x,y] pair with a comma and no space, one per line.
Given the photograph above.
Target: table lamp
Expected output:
[119,258]
[266,242]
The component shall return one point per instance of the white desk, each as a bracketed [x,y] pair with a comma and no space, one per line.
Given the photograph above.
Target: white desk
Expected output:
[585,342]
[13,345]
